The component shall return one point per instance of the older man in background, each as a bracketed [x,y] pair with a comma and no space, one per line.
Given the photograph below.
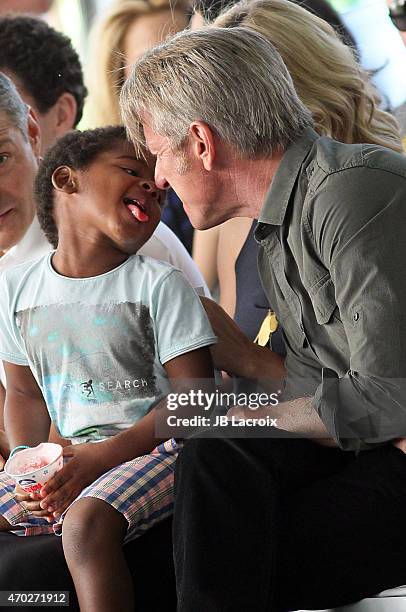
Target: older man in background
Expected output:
[20,147]
[279,518]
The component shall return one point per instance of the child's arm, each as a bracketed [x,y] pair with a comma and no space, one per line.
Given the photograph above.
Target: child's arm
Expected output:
[26,420]
[2,401]
[26,416]
[89,461]
[140,439]
[4,446]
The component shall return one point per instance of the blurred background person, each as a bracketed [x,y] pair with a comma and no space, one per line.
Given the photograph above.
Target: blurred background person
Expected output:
[122,34]
[381,50]
[25,6]
[397,13]
[47,72]
[206,11]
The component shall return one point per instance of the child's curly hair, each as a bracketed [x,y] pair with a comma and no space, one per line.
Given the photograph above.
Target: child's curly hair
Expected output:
[76,150]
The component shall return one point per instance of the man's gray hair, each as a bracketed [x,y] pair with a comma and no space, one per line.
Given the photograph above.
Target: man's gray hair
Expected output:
[233,80]
[12,105]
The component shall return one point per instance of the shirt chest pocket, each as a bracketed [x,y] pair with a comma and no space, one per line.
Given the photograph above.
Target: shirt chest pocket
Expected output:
[324,301]
[327,312]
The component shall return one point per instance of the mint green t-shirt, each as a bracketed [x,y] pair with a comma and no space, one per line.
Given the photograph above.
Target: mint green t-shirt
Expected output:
[96,346]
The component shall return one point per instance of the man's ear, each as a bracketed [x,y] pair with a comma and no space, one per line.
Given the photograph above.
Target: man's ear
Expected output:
[202,143]
[65,110]
[63,179]
[34,132]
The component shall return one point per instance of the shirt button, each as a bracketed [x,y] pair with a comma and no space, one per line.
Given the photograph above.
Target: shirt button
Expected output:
[356,316]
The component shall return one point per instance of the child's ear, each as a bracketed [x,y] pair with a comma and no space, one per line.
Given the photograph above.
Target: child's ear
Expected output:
[63,179]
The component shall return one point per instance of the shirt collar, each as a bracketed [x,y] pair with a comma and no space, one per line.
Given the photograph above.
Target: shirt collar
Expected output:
[277,198]
[32,245]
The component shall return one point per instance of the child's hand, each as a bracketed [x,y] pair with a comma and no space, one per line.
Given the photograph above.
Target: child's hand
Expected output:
[85,465]
[31,502]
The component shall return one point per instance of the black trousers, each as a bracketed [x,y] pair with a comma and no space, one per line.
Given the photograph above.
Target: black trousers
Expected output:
[37,563]
[282,524]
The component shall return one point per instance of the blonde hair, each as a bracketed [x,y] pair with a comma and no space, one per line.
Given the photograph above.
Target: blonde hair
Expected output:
[325,73]
[232,80]
[106,70]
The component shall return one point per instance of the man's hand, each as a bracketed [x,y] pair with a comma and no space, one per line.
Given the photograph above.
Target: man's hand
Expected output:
[233,347]
[235,353]
[84,466]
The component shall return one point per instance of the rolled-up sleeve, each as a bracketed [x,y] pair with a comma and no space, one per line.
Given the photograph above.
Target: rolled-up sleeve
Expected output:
[367,264]
[362,411]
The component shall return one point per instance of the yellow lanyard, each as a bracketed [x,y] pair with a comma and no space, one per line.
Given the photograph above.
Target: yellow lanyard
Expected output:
[268,327]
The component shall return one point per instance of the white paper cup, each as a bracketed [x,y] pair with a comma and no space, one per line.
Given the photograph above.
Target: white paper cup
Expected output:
[33,467]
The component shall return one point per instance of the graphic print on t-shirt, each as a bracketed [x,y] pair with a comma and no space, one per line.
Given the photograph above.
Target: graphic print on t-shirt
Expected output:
[94,363]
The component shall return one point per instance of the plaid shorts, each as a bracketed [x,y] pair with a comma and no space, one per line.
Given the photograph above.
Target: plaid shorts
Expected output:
[141,489]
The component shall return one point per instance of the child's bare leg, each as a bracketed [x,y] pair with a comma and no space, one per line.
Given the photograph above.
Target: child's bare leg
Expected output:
[5,525]
[92,537]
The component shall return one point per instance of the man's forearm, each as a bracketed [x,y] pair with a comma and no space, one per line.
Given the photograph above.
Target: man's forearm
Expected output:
[258,363]
[263,364]
[297,416]
[236,354]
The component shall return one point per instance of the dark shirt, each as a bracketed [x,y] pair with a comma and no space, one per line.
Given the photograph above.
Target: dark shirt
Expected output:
[332,261]
[252,304]
[174,216]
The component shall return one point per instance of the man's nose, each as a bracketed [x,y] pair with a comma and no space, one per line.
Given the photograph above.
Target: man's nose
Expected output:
[161,181]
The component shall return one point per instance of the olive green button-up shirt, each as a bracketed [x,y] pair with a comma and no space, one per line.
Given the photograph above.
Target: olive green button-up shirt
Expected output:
[332,235]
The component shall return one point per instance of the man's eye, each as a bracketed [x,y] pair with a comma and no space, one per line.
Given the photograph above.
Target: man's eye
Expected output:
[3,158]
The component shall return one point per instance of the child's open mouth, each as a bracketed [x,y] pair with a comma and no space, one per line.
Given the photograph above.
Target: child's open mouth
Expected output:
[136,209]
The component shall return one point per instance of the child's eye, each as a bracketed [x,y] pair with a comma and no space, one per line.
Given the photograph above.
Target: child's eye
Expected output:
[131,171]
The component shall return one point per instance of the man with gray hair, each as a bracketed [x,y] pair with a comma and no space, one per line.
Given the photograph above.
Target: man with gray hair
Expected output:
[21,237]
[276,518]
[19,155]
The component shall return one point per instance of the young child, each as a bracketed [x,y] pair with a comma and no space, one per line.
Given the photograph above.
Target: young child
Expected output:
[91,336]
